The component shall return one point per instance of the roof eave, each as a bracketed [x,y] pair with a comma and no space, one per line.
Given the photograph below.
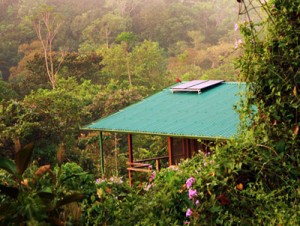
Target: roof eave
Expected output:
[159,134]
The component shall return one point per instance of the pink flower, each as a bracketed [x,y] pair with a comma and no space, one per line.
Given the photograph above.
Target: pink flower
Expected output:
[197,202]
[189,182]
[189,212]
[236,26]
[237,43]
[153,174]
[148,187]
[192,193]
[187,223]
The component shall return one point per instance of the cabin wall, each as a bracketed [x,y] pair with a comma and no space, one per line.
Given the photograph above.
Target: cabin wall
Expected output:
[183,148]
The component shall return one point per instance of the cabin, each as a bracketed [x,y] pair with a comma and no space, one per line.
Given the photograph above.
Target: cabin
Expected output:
[183,113]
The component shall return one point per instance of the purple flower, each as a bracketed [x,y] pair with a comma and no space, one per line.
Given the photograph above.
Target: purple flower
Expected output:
[236,26]
[192,193]
[189,212]
[189,182]
[197,202]
[153,174]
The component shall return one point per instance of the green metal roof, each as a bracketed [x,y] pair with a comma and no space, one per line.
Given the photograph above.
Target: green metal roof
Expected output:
[209,115]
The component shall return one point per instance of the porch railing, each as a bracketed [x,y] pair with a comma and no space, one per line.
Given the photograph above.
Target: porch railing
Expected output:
[143,166]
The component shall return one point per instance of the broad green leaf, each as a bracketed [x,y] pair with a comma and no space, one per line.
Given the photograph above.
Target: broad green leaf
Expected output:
[8,165]
[73,175]
[23,157]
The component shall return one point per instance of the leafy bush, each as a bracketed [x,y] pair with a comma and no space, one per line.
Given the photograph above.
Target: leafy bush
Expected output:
[41,195]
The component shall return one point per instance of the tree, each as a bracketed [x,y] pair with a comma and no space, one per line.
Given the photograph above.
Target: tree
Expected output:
[48,116]
[149,65]
[108,26]
[113,23]
[127,38]
[114,63]
[12,35]
[123,8]
[6,91]
[143,64]
[46,24]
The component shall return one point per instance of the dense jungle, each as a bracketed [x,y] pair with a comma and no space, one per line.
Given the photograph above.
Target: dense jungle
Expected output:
[67,63]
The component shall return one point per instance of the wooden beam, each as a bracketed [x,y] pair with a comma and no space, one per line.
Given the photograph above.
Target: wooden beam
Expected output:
[170,151]
[139,169]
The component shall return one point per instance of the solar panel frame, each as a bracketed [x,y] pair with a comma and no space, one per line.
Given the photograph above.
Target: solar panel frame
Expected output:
[195,85]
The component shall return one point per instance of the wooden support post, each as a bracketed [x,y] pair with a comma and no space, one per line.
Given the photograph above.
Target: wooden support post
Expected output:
[170,151]
[101,154]
[157,164]
[130,178]
[130,153]
[130,157]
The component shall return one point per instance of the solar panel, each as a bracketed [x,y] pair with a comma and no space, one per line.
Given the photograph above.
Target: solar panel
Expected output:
[184,87]
[195,85]
[204,85]
[188,84]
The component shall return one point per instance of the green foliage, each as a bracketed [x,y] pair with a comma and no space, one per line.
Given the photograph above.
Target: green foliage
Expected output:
[49,117]
[6,92]
[111,98]
[103,206]
[89,25]
[38,195]
[109,26]
[145,63]
[30,73]
[59,109]
[149,65]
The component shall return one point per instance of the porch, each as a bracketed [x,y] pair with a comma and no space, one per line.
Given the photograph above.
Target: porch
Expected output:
[178,148]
